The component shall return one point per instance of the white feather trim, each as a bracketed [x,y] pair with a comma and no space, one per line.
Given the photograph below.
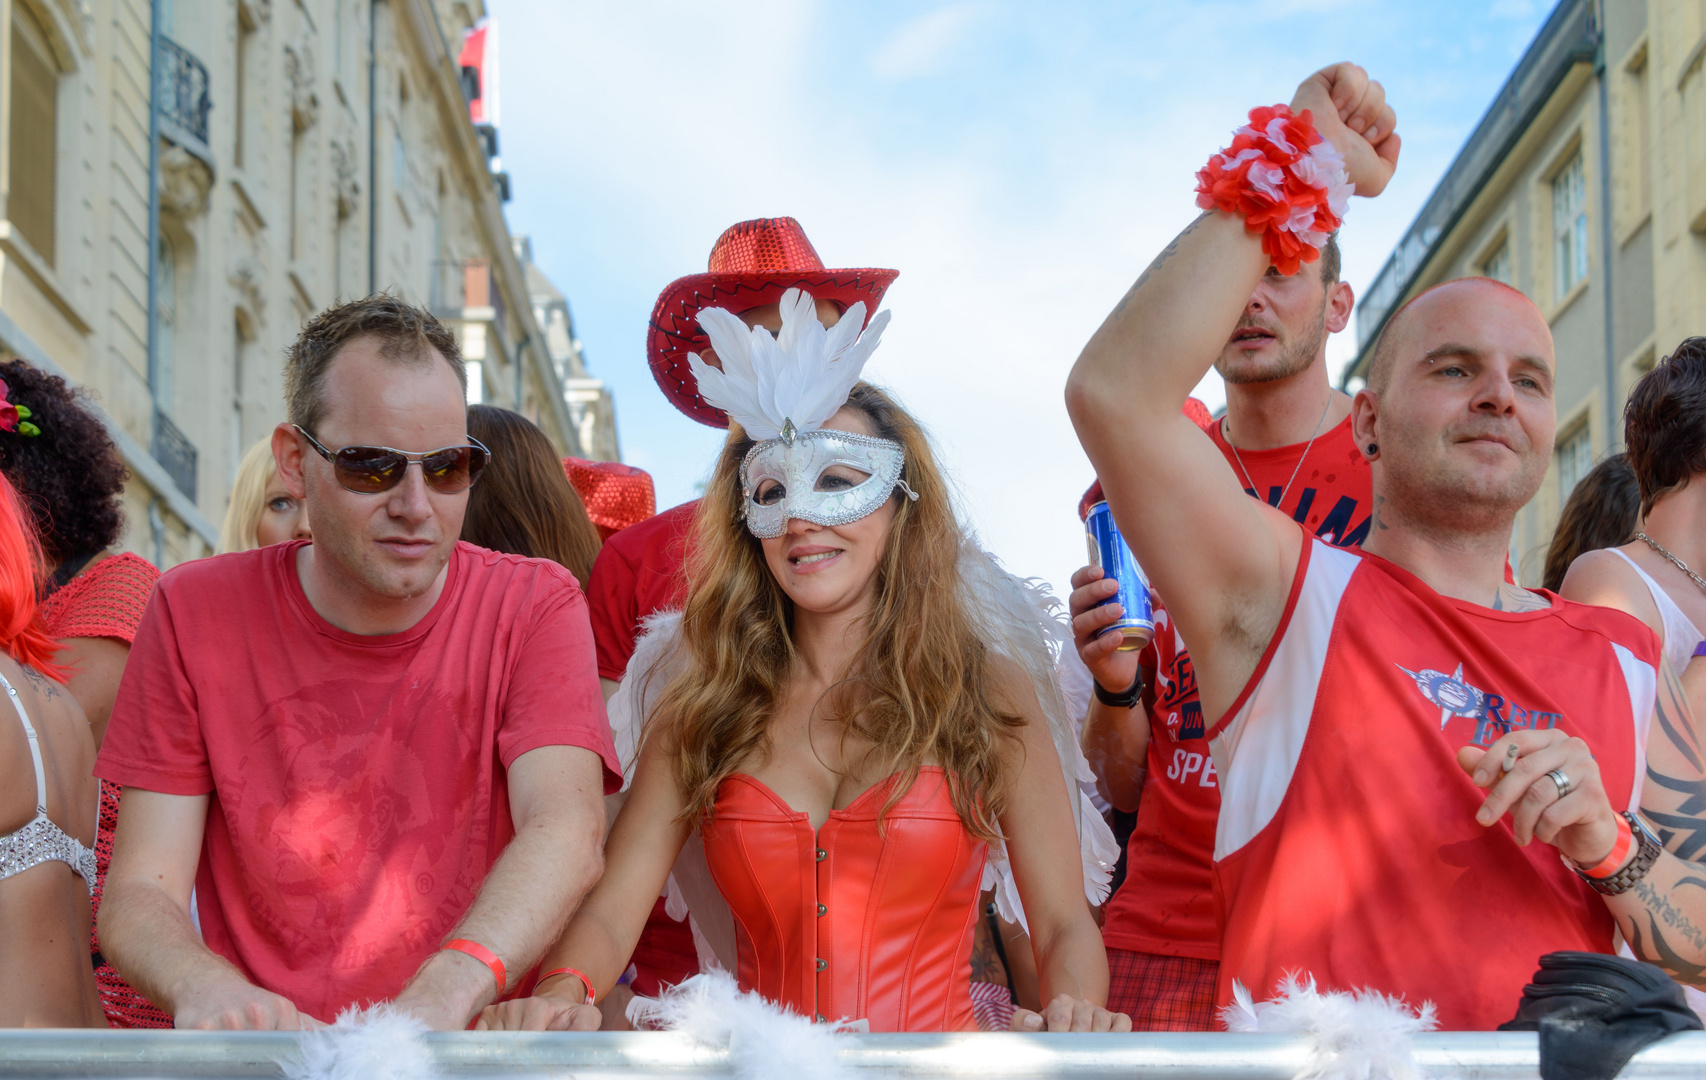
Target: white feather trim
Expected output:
[1364,1035]
[803,374]
[376,1043]
[764,1041]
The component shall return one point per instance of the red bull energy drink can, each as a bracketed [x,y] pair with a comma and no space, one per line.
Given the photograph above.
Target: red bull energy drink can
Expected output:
[1108,550]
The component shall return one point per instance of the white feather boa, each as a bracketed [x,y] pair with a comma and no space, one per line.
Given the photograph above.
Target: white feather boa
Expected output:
[1364,1035]
[377,1043]
[763,1041]
[1017,618]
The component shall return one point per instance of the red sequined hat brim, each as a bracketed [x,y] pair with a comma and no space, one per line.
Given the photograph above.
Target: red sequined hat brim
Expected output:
[674,329]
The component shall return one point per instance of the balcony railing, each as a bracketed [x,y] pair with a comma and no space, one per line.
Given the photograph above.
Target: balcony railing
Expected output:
[182,86]
[175,453]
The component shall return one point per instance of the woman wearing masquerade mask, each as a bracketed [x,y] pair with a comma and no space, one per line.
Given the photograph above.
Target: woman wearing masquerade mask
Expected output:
[854,720]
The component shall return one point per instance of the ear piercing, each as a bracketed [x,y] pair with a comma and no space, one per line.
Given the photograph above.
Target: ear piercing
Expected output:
[1373,448]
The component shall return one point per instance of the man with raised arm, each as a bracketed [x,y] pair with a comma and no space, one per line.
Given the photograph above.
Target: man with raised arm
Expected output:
[1392,728]
[1287,438]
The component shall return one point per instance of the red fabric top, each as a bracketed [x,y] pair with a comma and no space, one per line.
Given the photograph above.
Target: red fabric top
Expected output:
[358,783]
[637,573]
[1166,903]
[106,600]
[1348,846]
[862,919]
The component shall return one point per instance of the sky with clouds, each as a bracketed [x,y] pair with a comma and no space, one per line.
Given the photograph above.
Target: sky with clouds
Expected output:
[1019,163]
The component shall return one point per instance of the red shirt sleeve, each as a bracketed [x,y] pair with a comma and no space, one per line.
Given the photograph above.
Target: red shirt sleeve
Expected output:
[154,739]
[613,608]
[554,698]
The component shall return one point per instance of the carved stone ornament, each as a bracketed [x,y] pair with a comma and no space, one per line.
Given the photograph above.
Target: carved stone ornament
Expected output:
[299,69]
[345,180]
[258,11]
[245,277]
[184,182]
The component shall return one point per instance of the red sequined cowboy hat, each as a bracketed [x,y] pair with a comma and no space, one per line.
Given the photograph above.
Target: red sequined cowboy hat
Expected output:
[752,264]
[615,495]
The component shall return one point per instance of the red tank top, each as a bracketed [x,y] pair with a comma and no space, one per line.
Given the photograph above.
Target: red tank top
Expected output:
[1347,844]
[1166,904]
[864,919]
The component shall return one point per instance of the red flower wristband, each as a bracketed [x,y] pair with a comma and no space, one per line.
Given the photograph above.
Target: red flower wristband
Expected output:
[1285,179]
[484,956]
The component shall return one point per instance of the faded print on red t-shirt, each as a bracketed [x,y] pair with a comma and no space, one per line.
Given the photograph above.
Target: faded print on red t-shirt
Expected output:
[358,786]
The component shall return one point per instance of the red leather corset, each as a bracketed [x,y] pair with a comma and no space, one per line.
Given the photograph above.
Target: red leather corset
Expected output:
[852,923]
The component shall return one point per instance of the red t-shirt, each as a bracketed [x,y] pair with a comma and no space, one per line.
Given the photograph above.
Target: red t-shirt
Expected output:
[638,572]
[358,783]
[1166,904]
[1347,846]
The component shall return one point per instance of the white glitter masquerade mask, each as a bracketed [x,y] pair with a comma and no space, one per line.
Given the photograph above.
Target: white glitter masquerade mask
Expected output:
[780,481]
[781,390]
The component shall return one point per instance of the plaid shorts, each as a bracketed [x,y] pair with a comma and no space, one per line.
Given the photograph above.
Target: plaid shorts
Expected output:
[1163,993]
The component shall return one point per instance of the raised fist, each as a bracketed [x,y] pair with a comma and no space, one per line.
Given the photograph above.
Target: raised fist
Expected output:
[1350,111]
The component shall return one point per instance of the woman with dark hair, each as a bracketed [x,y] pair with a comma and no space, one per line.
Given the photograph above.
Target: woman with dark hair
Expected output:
[1603,512]
[71,480]
[524,503]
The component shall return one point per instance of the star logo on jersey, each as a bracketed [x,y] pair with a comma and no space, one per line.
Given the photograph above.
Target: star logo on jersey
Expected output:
[1449,693]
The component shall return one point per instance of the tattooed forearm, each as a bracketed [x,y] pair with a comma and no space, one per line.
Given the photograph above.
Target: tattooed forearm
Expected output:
[40,683]
[1664,911]
[1654,948]
[1166,253]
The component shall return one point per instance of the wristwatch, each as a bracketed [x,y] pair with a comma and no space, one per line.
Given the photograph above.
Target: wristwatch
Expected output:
[1625,879]
[1126,700]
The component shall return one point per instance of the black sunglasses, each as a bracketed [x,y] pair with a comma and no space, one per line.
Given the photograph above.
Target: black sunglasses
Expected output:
[370,470]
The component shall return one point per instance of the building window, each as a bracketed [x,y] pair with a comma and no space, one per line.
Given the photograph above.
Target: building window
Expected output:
[1498,264]
[35,99]
[1575,458]
[1569,227]
[246,28]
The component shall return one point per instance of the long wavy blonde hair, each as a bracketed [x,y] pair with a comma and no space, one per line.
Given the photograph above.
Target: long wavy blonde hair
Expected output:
[918,686]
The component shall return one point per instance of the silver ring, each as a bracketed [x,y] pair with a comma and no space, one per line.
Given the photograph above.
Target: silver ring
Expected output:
[1564,786]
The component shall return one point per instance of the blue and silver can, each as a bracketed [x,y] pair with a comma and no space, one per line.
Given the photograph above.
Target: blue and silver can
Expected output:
[1108,550]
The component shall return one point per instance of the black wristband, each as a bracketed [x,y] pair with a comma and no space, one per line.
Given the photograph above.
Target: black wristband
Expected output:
[1126,700]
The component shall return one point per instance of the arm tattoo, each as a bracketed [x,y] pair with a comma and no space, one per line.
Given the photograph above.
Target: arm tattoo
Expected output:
[1661,952]
[1166,253]
[40,683]
[1682,830]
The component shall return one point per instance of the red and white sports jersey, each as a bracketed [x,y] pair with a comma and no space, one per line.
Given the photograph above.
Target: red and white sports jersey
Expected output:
[1347,845]
[1166,904]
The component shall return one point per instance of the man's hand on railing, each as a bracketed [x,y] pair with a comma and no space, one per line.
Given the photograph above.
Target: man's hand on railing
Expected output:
[540,1013]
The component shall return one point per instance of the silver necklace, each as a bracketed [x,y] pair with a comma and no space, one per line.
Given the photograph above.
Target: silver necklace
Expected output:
[1678,563]
[1239,458]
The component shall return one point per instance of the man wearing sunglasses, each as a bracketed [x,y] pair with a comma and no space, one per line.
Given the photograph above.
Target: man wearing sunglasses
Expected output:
[379,755]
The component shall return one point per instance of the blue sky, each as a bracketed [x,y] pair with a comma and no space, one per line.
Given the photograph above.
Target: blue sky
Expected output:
[1019,163]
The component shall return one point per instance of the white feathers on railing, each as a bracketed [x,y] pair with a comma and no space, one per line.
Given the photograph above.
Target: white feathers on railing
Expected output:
[376,1043]
[764,1042]
[1352,1036]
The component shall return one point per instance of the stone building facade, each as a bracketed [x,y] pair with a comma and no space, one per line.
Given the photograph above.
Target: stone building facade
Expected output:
[1585,187]
[310,150]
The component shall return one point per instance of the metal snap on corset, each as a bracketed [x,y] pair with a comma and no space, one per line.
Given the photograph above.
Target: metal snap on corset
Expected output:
[822,963]
[822,1019]
[822,854]
[821,910]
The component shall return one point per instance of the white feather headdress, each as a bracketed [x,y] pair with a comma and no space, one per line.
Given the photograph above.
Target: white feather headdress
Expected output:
[794,381]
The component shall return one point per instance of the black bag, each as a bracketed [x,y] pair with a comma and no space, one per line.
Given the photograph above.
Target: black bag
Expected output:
[1595,1011]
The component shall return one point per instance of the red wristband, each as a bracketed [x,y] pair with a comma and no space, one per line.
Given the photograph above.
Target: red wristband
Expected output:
[1619,853]
[484,956]
[591,994]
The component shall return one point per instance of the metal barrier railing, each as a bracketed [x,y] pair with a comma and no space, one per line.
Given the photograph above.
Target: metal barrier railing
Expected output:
[39,1055]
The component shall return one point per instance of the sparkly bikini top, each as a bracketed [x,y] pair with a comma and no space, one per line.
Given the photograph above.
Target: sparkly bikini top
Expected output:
[41,840]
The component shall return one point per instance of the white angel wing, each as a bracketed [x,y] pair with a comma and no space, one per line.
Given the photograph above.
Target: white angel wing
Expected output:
[690,888]
[1021,620]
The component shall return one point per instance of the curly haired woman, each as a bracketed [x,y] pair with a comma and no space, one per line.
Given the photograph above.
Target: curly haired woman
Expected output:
[71,478]
[846,729]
